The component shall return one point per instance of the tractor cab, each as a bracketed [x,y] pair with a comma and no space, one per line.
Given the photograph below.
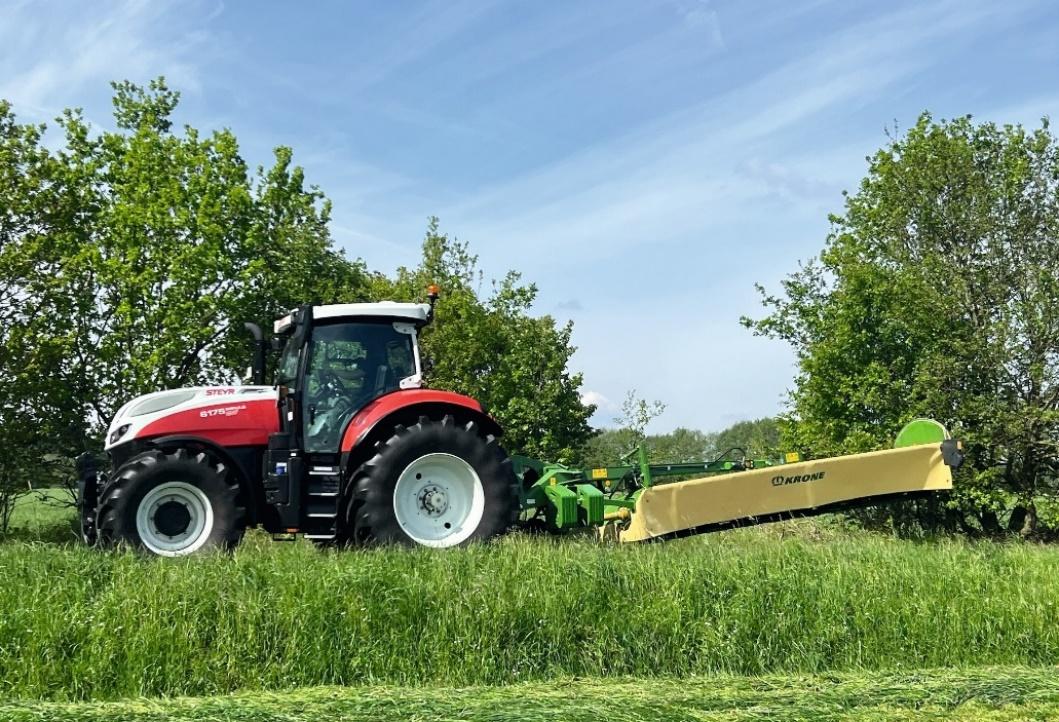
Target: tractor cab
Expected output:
[335,359]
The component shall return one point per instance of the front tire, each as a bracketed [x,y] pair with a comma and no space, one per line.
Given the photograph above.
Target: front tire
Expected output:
[171,504]
[435,484]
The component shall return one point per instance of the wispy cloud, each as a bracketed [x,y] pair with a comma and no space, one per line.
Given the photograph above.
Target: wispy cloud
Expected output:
[701,187]
[701,15]
[679,170]
[50,55]
[1027,112]
[785,179]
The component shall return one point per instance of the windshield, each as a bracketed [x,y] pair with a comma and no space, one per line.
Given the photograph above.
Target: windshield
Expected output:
[349,365]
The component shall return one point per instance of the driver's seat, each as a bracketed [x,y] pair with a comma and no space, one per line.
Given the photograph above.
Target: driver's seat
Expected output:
[384,379]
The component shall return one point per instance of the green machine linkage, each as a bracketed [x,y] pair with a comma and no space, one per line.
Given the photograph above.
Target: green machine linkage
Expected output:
[566,497]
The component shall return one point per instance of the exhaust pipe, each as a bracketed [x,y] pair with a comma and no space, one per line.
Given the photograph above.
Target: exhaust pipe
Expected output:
[258,368]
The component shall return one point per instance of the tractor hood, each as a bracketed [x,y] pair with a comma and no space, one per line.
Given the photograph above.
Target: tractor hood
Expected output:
[224,415]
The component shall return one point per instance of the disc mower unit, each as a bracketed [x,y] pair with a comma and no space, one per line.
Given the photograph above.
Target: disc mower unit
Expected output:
[348,447]
[656,501]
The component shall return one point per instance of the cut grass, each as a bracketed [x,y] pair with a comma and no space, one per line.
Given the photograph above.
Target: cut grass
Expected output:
[973,694]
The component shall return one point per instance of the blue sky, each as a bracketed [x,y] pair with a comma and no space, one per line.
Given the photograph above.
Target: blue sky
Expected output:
[644,162]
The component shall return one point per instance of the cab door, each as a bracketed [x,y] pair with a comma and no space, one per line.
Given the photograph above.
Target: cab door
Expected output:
[348,365]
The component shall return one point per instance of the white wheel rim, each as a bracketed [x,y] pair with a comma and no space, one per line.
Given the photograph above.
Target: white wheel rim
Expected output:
[182,499]
[439,500]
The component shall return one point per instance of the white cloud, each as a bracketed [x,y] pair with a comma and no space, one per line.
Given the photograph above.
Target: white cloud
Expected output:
[1028,112]
[594,398]
[419,34]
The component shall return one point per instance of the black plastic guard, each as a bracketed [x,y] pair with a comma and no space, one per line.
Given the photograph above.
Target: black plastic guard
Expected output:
[952,453]
[87,495]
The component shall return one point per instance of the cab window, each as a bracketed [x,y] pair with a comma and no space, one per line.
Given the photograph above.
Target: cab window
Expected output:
[349,365]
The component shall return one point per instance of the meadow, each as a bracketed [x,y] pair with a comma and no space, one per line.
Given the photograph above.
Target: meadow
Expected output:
[800,598]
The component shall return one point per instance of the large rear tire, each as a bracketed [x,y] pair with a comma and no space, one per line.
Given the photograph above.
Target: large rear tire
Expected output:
[435,484]
[171,504]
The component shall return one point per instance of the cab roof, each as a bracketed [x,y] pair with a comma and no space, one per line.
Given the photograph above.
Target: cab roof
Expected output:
[417,313]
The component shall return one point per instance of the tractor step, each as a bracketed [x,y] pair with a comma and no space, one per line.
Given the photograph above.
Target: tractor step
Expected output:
[322,501]
[321,504]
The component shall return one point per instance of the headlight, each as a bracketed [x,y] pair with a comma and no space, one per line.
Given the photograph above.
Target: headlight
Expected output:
[118,433]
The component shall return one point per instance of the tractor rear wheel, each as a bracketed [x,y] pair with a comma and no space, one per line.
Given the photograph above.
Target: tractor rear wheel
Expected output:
[171,504]
[434,484]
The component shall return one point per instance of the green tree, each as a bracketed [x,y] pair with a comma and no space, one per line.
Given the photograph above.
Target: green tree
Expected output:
[937,294]
[30,199]
[130,258]
[491,347]
[760,438]
[682,445]
[610,445]
[637,413]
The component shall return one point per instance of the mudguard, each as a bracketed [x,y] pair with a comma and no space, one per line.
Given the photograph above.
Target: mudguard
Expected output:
[365,420]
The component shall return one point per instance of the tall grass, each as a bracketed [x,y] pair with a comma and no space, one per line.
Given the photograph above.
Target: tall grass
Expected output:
[79,624]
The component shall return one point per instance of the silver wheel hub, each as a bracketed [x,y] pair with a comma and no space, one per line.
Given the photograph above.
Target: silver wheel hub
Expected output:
[174,518]
[433,500]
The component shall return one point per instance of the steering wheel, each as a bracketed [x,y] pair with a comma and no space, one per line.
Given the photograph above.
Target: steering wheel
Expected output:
[327,385]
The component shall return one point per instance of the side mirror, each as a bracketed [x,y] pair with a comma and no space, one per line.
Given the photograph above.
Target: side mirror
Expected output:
[277,344]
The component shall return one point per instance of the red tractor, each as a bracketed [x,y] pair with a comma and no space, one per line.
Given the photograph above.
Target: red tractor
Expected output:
[347,447]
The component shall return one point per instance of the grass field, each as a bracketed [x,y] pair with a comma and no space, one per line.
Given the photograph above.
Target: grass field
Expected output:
[43,516]
[77,624]
[987,694]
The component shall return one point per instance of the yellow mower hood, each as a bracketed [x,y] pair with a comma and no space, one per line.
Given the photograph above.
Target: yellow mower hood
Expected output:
[798,488]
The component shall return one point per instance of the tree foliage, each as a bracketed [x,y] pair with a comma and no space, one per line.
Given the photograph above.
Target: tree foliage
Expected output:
[759,438]
[610,445]
[134,255]
[937,294]
[129,259]
[488,345]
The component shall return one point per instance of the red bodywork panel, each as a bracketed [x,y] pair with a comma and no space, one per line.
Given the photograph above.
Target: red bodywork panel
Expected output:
[236,423]
[383,406]
[249,422]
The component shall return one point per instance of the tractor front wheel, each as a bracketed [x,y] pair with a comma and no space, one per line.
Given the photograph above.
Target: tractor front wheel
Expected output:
[434,484]
[171,504]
